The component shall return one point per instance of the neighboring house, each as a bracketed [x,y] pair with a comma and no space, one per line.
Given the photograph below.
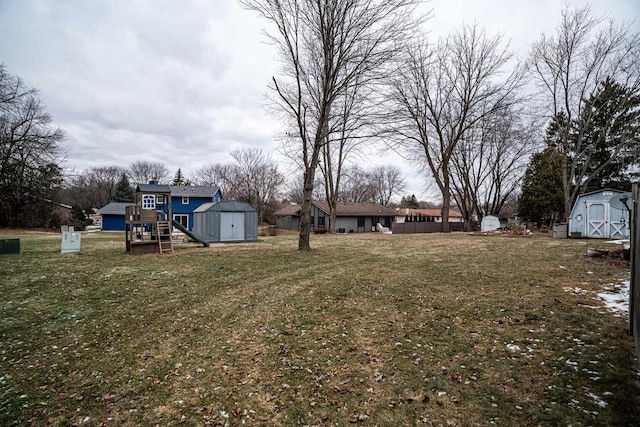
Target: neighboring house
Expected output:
[112,216]
[593,216]
[431,215]
[288,218]
[350,217]
[185,200]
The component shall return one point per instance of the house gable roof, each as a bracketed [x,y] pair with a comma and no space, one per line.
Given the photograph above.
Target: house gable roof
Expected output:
[152,188]
[114,208]
[193,190]
[178,190]
[289,210]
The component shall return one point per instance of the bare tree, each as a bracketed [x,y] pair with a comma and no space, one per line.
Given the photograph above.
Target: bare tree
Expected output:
[351,125]
[253,178]
[30,154]
[387,181]
[568,67]
[143,172]
[324,47]
[358,186]
[94,187]
[443,91]
[489,163]
[257,179]
[295,190]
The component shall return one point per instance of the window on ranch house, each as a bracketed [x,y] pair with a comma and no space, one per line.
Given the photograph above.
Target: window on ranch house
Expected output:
[320,221]
[148,202]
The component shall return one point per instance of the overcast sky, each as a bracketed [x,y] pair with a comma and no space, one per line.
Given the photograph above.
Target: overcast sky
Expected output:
[183,82]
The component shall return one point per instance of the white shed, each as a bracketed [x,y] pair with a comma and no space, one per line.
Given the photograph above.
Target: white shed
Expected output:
[593,216]
[492,223]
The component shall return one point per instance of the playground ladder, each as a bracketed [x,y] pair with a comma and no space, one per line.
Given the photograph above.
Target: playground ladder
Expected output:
[163,233]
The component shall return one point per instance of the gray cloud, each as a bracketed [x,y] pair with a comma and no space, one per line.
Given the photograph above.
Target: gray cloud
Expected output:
[184,82]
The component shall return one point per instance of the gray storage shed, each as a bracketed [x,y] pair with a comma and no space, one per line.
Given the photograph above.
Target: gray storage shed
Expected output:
[227,221]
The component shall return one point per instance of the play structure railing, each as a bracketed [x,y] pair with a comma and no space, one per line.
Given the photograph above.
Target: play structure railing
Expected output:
[134,214]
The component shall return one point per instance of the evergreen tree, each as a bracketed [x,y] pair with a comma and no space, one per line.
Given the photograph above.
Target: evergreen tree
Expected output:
[79,219]
[409,202]
[178,179]
[542,198]
[123,191]
[614,116]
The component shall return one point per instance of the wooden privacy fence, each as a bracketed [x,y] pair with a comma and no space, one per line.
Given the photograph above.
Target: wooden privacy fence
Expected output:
[634,295]
[423,227]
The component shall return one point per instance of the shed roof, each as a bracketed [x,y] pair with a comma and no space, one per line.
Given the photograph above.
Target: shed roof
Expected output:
[114,208]
[602,190]
[225,206]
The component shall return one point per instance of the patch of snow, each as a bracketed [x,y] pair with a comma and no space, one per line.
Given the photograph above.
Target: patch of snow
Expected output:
[576,290]
[597,400]
[513,347]
[616,297]
[619,242]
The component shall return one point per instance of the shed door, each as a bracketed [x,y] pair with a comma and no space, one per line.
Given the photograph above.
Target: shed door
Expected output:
[231,226]
[618,223]
[598,219]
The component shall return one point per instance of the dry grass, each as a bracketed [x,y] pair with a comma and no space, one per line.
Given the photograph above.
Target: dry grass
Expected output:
[366,329]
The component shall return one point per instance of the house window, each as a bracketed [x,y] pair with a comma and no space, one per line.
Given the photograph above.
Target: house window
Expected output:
[312,220]
[160,199]
[182,219]
[360,222]
[185,200]
[320,221]
[148,202]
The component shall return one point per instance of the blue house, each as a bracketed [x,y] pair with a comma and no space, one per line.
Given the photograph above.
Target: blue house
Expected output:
[185,200]
[112,216]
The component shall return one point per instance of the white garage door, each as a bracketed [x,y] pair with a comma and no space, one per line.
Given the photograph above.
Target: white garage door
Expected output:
[231,226]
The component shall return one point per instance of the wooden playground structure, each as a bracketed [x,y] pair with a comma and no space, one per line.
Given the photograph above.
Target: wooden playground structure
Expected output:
[148,222]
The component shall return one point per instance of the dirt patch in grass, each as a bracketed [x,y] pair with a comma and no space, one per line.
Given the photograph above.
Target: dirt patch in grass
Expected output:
[366,329]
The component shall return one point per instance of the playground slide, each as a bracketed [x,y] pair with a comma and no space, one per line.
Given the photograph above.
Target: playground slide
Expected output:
[182,228]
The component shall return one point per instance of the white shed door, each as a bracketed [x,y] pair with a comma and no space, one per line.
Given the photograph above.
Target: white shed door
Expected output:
[598,219]
[231,226]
